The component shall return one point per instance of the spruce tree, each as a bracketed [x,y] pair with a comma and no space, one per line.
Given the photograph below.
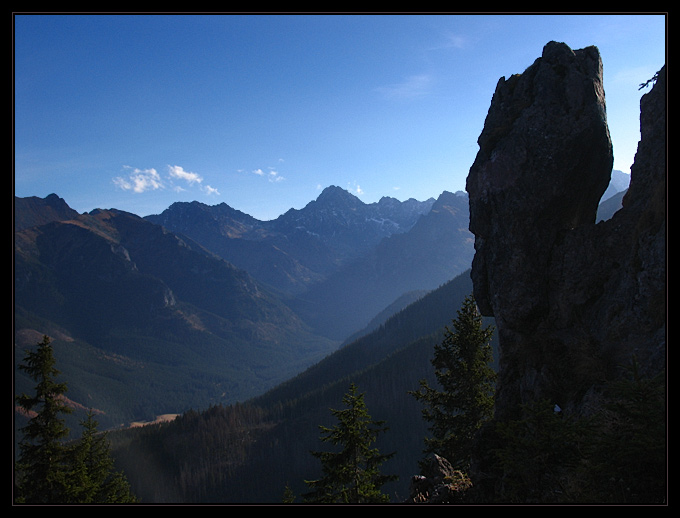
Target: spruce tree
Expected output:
[463,401]
[41,467]
[351,475]
[93,478]
[50,470]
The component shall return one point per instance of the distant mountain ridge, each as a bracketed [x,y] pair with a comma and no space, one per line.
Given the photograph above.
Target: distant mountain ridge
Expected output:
[300,247]
[338,253]
[136,305]
[346,223]
[434,250]
[132,305]
[619,182]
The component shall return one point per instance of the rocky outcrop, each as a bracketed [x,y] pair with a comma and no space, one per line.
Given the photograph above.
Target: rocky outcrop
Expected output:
[573,300]
[439,483]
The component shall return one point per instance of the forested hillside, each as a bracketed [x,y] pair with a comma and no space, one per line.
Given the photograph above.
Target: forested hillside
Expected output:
[146,322]
[249,452]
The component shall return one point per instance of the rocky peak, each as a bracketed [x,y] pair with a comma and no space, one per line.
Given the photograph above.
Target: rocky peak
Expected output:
[183,216]
[335,195]
[344,222]
[34,211]
[572,300]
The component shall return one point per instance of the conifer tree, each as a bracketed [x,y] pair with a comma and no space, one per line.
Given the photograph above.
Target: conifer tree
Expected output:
[41,467]
[463,401]
[351,475]
[50,470]
[93,478]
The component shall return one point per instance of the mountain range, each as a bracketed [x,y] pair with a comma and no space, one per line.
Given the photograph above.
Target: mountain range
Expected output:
[159,323]
[203,305]
[300,247]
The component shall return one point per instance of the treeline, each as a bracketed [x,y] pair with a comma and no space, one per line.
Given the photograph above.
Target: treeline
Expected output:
[187,459]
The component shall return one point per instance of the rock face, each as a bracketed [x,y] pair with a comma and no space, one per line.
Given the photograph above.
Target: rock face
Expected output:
[573,300]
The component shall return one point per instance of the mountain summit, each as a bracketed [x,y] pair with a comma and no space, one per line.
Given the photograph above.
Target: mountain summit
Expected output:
[302,246]
[33,211]
[349,226]
[334,195]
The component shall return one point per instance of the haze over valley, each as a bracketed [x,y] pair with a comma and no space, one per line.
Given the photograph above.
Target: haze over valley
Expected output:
[202,304]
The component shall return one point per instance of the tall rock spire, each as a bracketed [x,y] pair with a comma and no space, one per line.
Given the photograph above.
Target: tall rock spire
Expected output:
[572,300]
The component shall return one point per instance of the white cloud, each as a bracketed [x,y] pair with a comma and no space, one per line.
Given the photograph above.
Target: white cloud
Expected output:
[210,191]
[139,180]
[273,175]
[179,173]
[143,180]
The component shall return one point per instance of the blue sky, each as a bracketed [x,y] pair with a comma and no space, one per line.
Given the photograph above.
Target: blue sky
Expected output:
[135,112]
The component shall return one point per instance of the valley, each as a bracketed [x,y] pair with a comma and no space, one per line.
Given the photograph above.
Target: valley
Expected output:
[160,318]
[154,317]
